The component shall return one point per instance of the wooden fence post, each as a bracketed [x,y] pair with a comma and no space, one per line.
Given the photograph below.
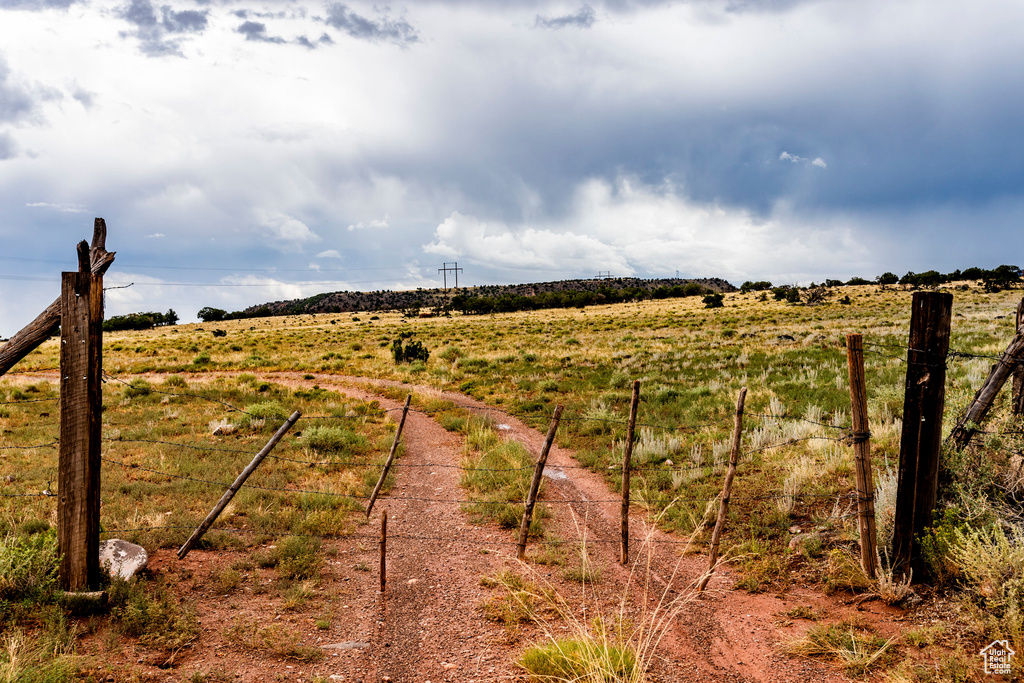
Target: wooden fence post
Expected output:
[1018,372]
[81,399]
[538,472]
[237,484]
[723,508]
[46,323]
[921,440]
[391,457]
[862,452]
[383,550]
[627,458]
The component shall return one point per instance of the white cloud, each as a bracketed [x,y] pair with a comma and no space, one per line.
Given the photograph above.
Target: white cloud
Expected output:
[290,233]
[630,228]
[379,223]
[330,253]
[63,208]
[817,161]
[155,235]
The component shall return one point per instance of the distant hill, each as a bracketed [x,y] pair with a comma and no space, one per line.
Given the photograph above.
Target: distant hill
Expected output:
[351,302]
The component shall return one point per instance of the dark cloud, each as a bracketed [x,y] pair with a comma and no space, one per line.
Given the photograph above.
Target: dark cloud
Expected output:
[159,30]
[83,96]
[383,29]
[7,147]
[324,39]
[584,17]
[15,102]
[35,5]
[254,30]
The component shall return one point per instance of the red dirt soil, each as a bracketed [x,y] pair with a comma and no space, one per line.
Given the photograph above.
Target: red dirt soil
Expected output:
[427,625]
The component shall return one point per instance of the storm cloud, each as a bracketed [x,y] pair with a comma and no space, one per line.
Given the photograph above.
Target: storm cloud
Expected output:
[382,29]
[584,17]
[160,29]
[781,140]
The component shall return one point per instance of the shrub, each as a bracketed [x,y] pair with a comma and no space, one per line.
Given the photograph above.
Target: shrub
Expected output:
[28,567]
[137,388]
[714,300]
[157,620]
[298,557]
[413,351]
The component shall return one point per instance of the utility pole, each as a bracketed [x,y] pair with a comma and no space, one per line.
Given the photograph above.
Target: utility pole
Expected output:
[604,274]
[454,268]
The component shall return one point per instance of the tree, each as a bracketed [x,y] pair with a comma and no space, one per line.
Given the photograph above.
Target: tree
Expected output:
[170,317]
[208,314]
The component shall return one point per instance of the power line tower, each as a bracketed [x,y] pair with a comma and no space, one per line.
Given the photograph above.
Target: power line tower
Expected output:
[454,268]
[604,275]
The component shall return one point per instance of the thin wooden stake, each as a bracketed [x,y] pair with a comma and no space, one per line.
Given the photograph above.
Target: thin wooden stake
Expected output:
[233,489]
[538,472]
[723,509]
[1018,372]
[391,457]
[627,460]
[862,452]
[78,505]
[921,439]
[383,550]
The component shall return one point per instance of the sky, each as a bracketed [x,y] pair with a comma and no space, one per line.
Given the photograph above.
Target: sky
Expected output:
[244,151]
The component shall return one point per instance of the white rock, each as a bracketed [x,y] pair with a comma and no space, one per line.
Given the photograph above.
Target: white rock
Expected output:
[121,558]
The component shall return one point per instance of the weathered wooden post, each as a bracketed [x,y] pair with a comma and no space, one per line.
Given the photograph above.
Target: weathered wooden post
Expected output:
[383,550]
[723,508]
[921,440]
[862,452]
[538,472]
[46,323]
[81,399]
[627,458]
[1018,371]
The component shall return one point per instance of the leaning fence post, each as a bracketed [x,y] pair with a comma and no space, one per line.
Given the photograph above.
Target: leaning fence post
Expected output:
[862,452]
[233,489]
[538,472]
[921,440]
[81,398]
[723,509]
[391,457]
[627,457]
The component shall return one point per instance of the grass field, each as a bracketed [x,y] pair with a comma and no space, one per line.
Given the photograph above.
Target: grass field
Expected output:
[691,362]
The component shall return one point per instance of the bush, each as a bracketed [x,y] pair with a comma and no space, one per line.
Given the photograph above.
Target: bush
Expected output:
[137,388]
[715,300]
[158,621]
[28,567]
[412,351]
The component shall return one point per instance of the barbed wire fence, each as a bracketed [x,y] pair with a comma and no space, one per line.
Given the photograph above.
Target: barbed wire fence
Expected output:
[842,434]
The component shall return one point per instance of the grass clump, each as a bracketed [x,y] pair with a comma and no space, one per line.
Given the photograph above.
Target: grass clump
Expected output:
[857,651]
[28,567]
[274,639]
[497,475]
[583,660]
[298,557]
[155,617]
